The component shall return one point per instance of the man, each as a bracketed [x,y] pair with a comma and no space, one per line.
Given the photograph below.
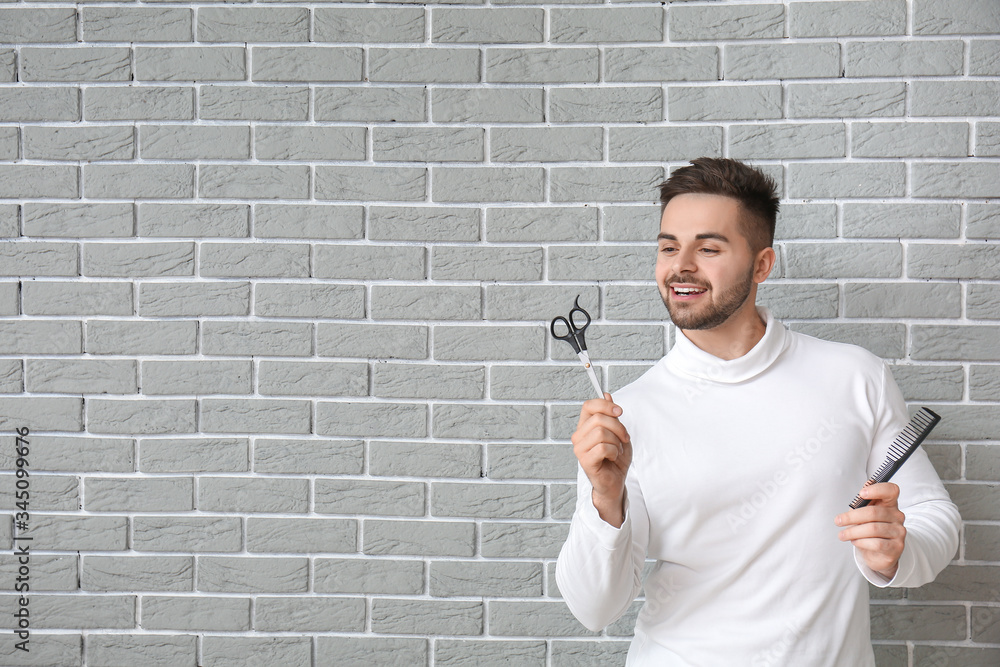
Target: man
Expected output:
[732,461]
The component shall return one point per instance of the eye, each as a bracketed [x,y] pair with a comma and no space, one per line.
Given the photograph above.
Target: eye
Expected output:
[711,251]
[667,248]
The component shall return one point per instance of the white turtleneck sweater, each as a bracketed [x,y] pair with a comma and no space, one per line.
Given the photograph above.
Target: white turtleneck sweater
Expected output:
[739,468]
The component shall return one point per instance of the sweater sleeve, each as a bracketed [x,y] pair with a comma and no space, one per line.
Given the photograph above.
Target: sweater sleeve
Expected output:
[932,520]
[599,570]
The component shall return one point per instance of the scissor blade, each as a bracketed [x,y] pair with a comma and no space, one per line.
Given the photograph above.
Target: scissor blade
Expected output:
[585,360]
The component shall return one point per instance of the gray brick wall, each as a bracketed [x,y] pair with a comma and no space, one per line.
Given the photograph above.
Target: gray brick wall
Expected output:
[275,280]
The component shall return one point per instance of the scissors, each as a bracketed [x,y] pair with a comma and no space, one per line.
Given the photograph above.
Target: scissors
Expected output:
[574,336]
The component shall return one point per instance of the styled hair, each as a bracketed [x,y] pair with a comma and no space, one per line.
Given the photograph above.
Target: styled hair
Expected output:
[754,190]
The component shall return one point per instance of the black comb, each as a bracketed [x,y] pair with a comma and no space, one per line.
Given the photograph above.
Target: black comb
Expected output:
[905,444]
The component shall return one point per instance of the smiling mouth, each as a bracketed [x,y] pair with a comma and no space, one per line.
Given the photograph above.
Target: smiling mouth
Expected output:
[687,293]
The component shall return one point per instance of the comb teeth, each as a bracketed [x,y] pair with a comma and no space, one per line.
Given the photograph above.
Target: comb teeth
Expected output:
[905,444]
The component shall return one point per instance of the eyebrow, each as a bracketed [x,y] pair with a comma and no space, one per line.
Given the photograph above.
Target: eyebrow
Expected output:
[698,237]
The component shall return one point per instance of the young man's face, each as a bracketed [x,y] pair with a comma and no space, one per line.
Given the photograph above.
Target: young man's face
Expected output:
[704,266]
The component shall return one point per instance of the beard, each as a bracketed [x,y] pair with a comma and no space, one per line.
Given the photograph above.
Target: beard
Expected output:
[709,314]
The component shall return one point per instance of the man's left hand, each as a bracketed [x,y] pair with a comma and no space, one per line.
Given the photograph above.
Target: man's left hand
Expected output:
[876,530]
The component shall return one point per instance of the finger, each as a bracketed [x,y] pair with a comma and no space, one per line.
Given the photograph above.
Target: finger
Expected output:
[594,457]
[870,513]
[884,531]
[606,423]
[884,491]
[594,437]
[595,406]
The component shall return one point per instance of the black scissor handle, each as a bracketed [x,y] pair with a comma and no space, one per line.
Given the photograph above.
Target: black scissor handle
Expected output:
[577,328]
[569,336]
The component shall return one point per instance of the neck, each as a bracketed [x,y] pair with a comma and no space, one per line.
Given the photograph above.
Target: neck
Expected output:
[734,337]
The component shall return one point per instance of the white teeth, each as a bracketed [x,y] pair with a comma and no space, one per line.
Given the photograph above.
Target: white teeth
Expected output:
[688,290]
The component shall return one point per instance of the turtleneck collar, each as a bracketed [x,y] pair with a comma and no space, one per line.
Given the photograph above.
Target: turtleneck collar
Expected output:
[686,358]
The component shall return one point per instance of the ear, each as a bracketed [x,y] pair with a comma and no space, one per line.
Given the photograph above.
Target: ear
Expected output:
[763,263]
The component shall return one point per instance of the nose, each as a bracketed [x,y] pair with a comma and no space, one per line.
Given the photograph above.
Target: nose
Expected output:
[684,262]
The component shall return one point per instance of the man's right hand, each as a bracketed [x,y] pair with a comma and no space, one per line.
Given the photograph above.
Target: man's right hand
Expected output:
[604,449]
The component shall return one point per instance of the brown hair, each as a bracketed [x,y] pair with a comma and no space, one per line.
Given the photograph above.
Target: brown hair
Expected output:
[753,189]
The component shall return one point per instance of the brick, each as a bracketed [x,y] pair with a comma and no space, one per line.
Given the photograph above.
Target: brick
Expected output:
[534,618]
[24,25]
[371,341]
[983,221]
[368,25]
[194,142]
[405,144]
[353,497]
[663,143]
[254,260]
[79,143]
[954,98]
[487,105]
[306,64]
[488,421]
[195,613]
[194,455]
[369,576]
[312,378]
[138,259]
[152,650]
[984,56]
[836,19]
[458,343]
[47,573]
[255,415]
[423,65]
[487,25]
[783,61]
[312,614]
[140,417]
[37,181]
[418,538]
[42,414]
[125,494]
[605,104]
[273,142]
[254,181]
[425,381]
[918,621]
[552,144]
[311,457]
[721,23]
[76,298]
[456,652]
[134,181]
[196,377]
[194,299]
[659,63]
[940,383]
[611,24]
[81,376]
[832,100]
[78,220]
[486,263]
[534,224]
[534,302]
[194,220]
[137,573]
[360,651]
[81,533]
[10,298]
[40,337]
[406,420]
[970,657]
[370,104]
[498,501]
[140,337]
[370,262]
[481,184]
[745,102]
[404,223]
[983,302]
[48,492]
[800,300]
[9,141]
[791,140]
[277,535]
[424,459]
[541,65]
[136,24]
[909,139]
[956,179]
[76,454]
[982,462]
[980,541]
[371,183]
[81,63]
[920,300]
[246,495]
[540,382]
[842,260]
[943,261]
[39,104]
[256,651]
[567,653]
[629,342]
[955,342]
[905,58]
[840,180]
[901,220]
[515,461]
[253,24]
[939,17]
[976,502]
[186,534]
[987,139]
[610,184]
[426,302]
[427,616]
[308,221]
[138,103]
[313,301]
[222,102]
[104,612]
[600,263]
